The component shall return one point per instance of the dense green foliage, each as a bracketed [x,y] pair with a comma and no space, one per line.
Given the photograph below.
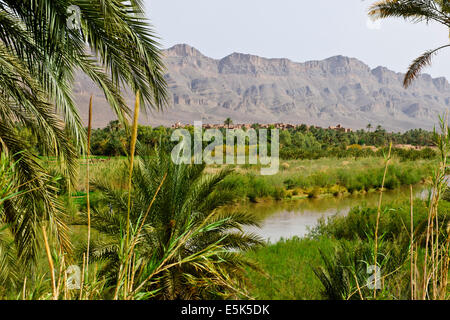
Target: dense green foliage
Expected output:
[395,222]
[335,179]
[363,180]
[300,143]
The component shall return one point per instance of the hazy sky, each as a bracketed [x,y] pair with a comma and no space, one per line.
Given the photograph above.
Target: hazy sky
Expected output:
[300,30]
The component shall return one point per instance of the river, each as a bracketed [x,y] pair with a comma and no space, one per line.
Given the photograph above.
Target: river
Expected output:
[286,219]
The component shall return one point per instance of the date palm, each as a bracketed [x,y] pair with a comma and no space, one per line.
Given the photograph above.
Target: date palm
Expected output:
[415,11]
[39,56]
[228,122]
[185,229]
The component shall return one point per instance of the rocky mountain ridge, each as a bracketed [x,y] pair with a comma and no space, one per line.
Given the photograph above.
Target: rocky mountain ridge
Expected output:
[249,89]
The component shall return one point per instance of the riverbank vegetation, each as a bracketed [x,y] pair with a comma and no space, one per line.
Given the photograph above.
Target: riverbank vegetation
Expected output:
[332,261]
[326,177]
[385,252]
[297,179]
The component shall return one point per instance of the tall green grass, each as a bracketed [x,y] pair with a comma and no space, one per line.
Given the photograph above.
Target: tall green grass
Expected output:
[288,267]
[359,179]
[309,179]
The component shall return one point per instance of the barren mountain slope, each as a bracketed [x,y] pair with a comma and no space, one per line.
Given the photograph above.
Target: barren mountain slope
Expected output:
[249,88]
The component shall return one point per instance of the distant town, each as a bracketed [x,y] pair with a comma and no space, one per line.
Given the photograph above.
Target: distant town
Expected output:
[281,126]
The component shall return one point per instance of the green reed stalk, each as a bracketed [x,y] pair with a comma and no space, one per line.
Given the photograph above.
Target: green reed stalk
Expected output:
[132,150]
[123,270]
[378,217]
[435,266]
[87,186]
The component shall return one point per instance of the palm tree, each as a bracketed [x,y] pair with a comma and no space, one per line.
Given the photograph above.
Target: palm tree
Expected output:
[415,11]
[39,57]
[185,223]
[369,126]
[228,122]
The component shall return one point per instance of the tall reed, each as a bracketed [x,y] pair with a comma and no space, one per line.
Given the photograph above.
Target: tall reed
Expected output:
[88,205]
[435,264]
[132,151]
[50,264]
[124,266]
[386,159]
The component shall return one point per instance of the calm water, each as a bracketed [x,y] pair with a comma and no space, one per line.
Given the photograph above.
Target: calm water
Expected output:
[294,218]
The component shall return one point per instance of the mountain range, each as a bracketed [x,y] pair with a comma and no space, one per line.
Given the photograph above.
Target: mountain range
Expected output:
[253,89]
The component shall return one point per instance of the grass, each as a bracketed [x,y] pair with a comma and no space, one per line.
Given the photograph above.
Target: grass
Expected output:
[288,267]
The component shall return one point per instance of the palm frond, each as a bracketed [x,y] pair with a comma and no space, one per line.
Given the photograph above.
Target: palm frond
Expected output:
[418,64]
[415,11]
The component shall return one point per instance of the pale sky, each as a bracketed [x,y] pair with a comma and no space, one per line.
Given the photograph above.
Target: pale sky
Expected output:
[300,30]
